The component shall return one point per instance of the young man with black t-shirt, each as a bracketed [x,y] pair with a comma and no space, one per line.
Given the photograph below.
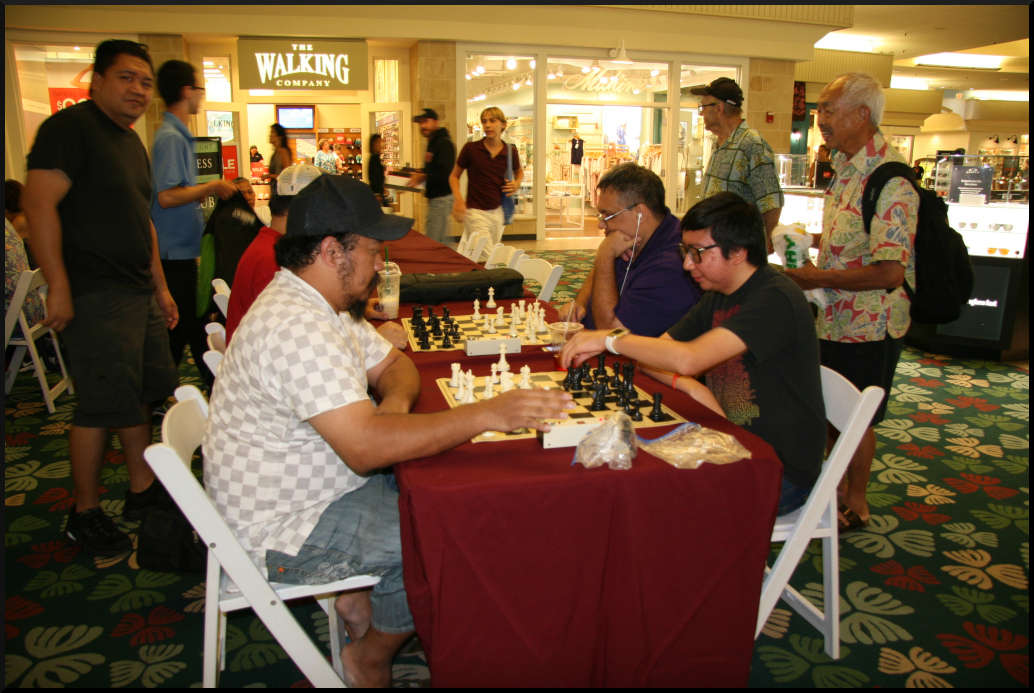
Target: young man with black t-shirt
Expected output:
[752,333]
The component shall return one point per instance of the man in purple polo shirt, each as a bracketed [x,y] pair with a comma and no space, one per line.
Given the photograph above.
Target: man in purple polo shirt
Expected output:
[637,281]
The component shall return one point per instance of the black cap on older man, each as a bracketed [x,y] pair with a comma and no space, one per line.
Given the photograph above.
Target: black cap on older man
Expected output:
[334,204]
[723,89]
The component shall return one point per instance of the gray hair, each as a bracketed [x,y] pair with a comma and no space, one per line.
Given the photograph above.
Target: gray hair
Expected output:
[861,89]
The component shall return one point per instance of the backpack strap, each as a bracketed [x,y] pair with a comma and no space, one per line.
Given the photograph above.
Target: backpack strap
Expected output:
[874,186]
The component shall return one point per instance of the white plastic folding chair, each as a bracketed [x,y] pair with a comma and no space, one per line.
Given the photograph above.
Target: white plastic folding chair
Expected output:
[212,359]
[473,248]
[542,271]
[221,298]
[182,429]
[503,256]
[849,411]
[30,281]
[215,328]
[217,341]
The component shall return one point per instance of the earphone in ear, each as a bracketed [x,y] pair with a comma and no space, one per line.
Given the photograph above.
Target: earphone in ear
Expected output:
[639,217]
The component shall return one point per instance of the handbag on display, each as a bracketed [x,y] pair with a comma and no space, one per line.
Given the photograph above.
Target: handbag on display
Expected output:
[509,204]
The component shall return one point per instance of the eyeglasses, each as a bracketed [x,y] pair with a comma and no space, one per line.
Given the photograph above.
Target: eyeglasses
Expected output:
[604,219]
[197,88]
[701,107]
[694,252]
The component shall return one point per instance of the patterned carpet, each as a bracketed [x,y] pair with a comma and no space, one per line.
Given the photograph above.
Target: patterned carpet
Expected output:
[934,592]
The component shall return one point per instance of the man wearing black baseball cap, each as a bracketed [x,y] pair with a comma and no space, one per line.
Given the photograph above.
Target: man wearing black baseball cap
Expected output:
[742,161]
[438,161]
[294,442]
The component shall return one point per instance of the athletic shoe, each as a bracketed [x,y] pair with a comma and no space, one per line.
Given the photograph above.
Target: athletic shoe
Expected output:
[138,504]
[96,533]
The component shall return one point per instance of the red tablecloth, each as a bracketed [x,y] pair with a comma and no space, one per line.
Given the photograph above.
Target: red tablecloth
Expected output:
[523,570]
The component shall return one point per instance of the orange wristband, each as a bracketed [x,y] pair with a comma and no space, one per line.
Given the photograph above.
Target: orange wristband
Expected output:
[674,379]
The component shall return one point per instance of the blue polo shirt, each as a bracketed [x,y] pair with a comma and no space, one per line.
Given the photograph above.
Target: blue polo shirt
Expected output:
[173,164]
[657,291]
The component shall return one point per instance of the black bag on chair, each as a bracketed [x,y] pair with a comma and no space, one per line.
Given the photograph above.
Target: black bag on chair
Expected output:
[461,286]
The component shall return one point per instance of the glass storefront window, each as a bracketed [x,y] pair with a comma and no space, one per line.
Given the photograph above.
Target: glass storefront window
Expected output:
[217,79]
[507,82]
[51,78]
[606,81]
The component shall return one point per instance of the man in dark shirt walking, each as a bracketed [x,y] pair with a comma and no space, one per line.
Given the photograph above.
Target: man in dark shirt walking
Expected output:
[438,161]
[88,199]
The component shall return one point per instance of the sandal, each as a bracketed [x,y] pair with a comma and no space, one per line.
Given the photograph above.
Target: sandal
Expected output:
[849,520]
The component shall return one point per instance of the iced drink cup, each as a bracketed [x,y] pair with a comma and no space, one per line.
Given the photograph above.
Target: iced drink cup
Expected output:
[388,289]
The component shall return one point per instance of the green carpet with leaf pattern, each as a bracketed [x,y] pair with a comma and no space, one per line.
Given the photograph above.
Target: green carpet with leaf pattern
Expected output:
[934,591]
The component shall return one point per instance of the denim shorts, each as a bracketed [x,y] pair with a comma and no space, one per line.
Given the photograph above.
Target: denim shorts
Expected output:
[358,534]
[791,497]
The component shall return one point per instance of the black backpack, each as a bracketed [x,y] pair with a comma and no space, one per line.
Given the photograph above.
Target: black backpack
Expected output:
[944,275]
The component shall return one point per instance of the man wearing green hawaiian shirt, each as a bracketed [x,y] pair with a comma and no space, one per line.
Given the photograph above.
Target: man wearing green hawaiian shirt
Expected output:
[742,162]
[866,313]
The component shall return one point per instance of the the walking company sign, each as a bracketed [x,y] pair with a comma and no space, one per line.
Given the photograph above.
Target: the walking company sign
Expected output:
[315,64]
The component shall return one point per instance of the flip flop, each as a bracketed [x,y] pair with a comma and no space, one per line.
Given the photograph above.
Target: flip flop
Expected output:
[850,521]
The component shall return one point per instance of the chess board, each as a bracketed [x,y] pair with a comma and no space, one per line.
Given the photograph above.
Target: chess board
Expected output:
[579,415]
[470,328]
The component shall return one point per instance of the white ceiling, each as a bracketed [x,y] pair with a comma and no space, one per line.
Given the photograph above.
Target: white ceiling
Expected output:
[908,31]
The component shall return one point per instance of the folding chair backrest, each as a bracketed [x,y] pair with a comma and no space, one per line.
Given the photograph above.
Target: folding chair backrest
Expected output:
[220,286]
[28,281]
[182,429]
[217,341]
[542,271]
[212,359]
[215,328]
[848,410]
[503,256]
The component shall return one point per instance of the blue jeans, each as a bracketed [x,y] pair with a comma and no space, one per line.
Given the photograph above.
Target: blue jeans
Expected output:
[791,497]
[358,534]
[438,211]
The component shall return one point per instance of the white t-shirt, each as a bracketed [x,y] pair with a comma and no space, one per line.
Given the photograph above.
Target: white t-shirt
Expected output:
[268,471]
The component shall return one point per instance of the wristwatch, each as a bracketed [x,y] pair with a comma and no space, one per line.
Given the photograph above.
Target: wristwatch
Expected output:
[612,337]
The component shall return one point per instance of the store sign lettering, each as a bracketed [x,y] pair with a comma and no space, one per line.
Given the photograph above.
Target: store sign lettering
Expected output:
[986,302]
[302,65]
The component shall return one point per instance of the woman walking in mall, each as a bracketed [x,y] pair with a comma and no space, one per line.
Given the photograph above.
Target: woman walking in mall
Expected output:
[281,157]
[485,162]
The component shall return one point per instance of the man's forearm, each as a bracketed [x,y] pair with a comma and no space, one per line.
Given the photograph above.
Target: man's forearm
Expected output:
[771,219]
[604,293]
[45,243]
[885,274]
[157,273]
[398,386]
[183,194]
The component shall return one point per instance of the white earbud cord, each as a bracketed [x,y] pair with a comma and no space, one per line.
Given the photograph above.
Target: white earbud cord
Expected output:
[635,240]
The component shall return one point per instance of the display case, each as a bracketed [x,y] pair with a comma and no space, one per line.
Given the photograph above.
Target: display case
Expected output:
[792,170]
[1002,178]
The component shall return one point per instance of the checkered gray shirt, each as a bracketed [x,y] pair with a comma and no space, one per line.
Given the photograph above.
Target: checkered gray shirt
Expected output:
[267,470]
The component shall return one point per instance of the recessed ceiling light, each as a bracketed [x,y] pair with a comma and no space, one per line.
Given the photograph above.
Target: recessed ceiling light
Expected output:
[966,60]
[854,43]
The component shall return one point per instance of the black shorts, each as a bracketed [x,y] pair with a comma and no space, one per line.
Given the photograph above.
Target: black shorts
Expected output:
[865,364]
[119,359]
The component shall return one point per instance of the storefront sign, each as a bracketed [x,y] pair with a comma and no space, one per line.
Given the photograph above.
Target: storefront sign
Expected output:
[229,161]
[209,159]
[970,181]
[63,97]
[314,64]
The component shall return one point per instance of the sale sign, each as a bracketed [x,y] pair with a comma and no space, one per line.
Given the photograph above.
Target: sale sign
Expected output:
[63,97]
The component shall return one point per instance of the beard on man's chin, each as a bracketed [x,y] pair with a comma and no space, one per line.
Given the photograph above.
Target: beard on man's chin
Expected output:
[358,308]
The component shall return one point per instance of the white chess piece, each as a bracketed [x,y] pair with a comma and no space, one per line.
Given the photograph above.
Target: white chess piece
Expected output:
[525,383]
[495,373]
[513,329]
[489,391]
[461,388]
[491,298]
[499,315]
[454,381]
[520,304]
[529,329]
[470,388]
[477,309]
[504,365]
[489,325]
[507,382]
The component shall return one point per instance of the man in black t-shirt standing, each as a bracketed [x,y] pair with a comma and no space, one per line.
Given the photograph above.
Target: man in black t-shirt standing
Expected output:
[88,200]
[752,333]
[438,161]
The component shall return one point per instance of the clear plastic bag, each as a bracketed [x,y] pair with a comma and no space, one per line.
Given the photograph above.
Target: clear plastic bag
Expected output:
[613,443]
[690,445]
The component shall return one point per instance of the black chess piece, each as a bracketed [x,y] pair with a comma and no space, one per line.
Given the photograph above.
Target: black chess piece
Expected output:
[636,414]
[418,313]
[446,342]
[445,314]
[598,397]
[629,370]
[436,326]
[601,365]
[657,413]
[425,341]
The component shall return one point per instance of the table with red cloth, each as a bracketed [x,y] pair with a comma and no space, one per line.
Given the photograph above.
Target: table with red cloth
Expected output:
[525,570]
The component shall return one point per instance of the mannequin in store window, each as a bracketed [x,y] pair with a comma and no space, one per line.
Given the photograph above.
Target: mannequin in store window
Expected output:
[577,149]
[485,164]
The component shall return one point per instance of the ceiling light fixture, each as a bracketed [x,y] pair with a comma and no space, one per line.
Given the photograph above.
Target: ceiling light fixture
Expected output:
[972,61]
[619,55]
[511,64]
[531,63]
[852,43]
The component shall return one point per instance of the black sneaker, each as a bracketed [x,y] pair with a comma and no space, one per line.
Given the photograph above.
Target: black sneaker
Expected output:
[138,504]
[96,533]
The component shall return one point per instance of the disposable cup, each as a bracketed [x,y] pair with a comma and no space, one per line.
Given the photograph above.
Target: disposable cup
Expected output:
[388,290]
[560,332]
